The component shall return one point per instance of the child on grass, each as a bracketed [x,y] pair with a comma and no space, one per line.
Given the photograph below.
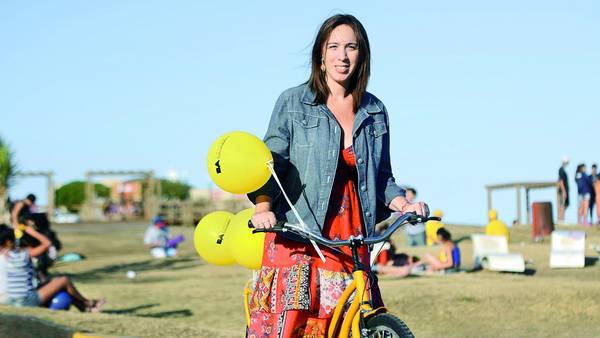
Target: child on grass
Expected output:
[20,290]
[157,239]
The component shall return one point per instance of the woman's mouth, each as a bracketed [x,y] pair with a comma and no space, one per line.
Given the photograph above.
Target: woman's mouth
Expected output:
[342,68]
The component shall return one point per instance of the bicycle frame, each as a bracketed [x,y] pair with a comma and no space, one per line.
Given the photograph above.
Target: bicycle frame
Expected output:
[360,308]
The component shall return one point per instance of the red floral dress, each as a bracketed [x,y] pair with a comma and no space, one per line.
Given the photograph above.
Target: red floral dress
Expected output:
[296,292]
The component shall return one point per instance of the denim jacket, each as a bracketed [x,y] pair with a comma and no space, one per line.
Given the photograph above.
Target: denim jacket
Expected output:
[305,140]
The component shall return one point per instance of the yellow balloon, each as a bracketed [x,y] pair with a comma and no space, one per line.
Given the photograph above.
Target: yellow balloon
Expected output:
[246,247]
[208,238]
[237,162]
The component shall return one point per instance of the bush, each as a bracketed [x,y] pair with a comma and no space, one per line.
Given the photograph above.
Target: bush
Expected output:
[72,195]
[174,190]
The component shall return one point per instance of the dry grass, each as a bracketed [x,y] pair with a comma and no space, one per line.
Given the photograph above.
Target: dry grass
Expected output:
[184,297]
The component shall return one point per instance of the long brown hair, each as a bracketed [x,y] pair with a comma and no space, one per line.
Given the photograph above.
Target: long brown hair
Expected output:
[359,78]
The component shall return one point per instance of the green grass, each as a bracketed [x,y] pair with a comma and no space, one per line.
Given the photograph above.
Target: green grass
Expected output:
[184,297]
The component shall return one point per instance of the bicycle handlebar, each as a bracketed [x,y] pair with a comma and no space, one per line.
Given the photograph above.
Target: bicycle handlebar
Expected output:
[283,227]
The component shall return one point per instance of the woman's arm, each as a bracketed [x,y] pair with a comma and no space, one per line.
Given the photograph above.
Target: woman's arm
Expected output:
[277,140]
[393,195]
[44,242]
[15,213]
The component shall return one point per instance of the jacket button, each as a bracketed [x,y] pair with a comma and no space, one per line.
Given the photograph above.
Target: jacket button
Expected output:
[360,161]
[368,214]
[363,188]
[304,122]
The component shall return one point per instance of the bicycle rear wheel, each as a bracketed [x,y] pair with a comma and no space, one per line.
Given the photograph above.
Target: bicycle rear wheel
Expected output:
[386,325]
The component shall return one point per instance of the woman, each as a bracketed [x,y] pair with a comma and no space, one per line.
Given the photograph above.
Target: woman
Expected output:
[446,259]
[330,144]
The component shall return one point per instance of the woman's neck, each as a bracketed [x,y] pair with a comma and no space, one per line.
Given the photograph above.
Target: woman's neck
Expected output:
[336,89]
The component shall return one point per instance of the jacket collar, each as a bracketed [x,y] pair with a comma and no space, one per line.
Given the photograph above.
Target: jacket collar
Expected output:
[369,104]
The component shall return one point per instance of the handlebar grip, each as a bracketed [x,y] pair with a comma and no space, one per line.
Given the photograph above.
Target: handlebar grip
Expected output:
[414,219]
[278,227]
[275,229]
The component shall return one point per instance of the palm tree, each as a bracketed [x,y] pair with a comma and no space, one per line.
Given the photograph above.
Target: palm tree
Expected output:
[8,170]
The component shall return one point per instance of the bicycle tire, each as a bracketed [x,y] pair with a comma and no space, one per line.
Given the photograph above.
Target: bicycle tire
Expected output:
[386,325]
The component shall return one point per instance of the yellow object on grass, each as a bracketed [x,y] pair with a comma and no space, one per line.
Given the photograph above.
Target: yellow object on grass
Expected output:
[19,231]
[245,247]
[497,228]
[431,228]
[209,238]
[237,162]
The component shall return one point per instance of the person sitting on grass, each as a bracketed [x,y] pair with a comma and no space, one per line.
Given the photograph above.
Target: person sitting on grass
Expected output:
[157,239]
[20,290]
[449,257]
[400,266]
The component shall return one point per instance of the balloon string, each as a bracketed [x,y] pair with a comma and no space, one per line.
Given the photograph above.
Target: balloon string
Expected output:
[272,169]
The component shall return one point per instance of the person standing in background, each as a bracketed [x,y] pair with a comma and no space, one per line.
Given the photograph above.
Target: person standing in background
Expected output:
[563,190]
[595,199]
[584,194]
[22,209]
[415,234]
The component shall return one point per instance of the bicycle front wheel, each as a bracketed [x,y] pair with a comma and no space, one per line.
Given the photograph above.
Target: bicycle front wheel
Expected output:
[386,325]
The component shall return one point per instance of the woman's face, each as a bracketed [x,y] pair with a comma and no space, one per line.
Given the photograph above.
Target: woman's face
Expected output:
[340,54]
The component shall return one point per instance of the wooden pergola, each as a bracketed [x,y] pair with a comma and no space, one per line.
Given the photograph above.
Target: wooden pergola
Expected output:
[151,194]
[49,175]
[519,186]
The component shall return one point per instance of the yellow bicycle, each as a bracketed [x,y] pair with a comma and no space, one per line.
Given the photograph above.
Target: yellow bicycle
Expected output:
[358,319]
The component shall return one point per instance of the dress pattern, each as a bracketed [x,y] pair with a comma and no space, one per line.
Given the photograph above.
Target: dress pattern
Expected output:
[295,293]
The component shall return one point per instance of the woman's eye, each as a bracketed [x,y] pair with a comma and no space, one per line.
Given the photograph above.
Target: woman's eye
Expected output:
[332,46]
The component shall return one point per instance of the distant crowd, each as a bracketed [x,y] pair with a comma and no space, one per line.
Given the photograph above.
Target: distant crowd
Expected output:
[588,193]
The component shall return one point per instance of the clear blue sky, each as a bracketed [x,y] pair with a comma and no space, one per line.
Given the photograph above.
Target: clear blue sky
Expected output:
[478,92]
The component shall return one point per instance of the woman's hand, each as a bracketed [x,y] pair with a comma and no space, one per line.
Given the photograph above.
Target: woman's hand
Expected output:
[263,216]
[263,219]
[401,204]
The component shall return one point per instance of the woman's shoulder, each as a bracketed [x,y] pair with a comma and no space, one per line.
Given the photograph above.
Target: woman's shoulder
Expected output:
[372,103]
[296,93]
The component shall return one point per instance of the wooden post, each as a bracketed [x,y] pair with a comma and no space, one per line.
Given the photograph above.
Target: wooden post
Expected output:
[50,187]
[489,198]
[518,191]
[149,198]
[527,206]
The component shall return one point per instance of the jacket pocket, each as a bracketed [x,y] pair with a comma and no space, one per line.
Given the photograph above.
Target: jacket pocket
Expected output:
[378,129]
[304,129]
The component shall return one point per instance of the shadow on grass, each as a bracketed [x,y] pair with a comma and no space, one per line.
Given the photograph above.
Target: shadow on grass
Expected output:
[132,311]
[147,265]
[527,272]
[168,314]
[591,261]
